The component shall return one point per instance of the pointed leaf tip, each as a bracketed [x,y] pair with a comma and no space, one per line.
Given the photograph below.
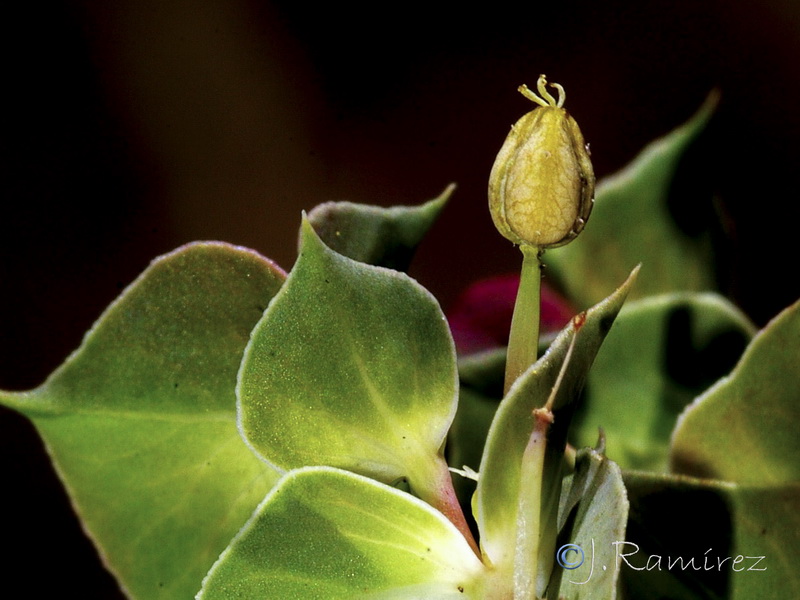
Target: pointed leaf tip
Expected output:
[637,217]
[502,484]
[352,366]
[375,235]
[140,420]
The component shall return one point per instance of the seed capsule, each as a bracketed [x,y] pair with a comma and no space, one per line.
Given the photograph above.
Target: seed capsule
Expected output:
[541,188]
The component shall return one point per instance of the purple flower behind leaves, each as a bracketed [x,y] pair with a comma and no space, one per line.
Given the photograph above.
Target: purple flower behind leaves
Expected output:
[480,319]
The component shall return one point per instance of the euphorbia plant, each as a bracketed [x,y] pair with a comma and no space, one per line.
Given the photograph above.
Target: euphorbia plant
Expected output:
[229,431]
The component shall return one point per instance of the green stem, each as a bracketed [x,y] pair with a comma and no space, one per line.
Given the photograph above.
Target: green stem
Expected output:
[523,341]
[530,528]
[537,504]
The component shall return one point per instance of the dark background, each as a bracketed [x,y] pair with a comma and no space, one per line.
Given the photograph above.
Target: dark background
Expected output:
[132,127]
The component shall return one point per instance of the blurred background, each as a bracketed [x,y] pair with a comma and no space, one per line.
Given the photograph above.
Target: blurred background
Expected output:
[132,127]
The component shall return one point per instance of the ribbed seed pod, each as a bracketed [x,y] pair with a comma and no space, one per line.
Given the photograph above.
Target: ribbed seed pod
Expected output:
[541,187]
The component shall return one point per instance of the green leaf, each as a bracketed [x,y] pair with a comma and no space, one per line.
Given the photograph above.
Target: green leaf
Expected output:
[632,223]
[744,429]
[592,515]
[140,421]
[742,540]
[767,522]
[481,378]
[386,237]
[661,354]
[480,389]
[326,534]
[501,487]
[351,366]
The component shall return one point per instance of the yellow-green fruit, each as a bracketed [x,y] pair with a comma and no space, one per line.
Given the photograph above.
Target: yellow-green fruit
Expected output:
[541,188]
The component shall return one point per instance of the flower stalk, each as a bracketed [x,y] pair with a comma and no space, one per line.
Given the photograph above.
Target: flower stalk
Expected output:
[536,533]
[541,192]
[523,341]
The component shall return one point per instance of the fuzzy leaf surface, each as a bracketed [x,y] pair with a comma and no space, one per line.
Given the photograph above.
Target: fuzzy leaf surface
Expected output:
[744,429]
[385,237]
[141,420]
[662,353]
[692,539]
[327,534]
[351,366]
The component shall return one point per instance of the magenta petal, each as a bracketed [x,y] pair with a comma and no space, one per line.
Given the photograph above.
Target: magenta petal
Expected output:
[481,317]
